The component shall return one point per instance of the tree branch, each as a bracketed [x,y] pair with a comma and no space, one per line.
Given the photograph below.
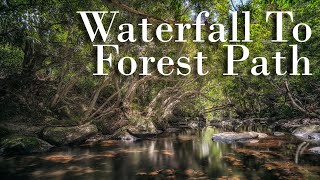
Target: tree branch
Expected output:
[294,103]
[139,13]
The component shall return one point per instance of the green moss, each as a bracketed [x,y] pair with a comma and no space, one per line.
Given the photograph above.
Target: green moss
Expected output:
[13,140]
[74,121]
[23,145]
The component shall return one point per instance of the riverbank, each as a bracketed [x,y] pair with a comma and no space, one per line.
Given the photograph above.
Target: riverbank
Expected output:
[188,154]
[20,138]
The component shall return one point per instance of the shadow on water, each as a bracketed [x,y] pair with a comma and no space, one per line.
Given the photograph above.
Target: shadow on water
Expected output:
[189,154]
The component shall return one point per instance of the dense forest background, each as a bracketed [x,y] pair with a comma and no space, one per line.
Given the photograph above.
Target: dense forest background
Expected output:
[47,62]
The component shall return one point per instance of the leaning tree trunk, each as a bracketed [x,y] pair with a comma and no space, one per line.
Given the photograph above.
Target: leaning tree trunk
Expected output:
[28,64]
[165,111]
[32,57]
[297,106]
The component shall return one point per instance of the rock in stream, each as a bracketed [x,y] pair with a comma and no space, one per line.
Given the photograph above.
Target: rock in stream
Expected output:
[69,135]
[315,150]
[230,137]
[13,145]
[308,133]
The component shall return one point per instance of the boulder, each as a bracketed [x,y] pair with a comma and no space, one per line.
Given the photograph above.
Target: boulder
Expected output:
[306,130]
[292,124]
[227,124]
[278,133]
[144,127]
[65,112]
[254,121]
[98,137]
[308,133]
[23,129]
[13,145]
[124,136]
[144,135]
[196,124]
[110,125]
[315,150]
[230,137]
[69,135]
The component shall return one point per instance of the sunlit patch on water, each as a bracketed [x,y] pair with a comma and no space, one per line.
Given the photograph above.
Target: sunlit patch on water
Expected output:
[230,158]
[167,152]
[229,178]
[108,154]
[59,158]
[109,143]
[136,150]
[185,138]
[59,173]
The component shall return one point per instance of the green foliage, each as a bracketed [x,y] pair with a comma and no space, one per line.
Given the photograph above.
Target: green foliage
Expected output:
[48,39]
[13,59]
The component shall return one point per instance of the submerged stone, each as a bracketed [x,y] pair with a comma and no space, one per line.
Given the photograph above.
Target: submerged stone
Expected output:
[13,145]
[233,161]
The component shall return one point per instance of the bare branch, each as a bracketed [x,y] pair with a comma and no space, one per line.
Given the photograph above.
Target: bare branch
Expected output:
[296,105]
[139,13]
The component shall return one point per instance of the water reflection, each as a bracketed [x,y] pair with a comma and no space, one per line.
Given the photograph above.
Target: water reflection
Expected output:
[189,154]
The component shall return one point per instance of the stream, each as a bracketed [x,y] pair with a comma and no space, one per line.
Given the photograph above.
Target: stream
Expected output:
[190,154]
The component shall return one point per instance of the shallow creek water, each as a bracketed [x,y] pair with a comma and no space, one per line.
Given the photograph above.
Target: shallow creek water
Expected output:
[190,154]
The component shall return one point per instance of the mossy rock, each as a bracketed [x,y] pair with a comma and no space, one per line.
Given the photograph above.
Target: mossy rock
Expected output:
[107,127]
[61,136]
[17,128]
[13,145]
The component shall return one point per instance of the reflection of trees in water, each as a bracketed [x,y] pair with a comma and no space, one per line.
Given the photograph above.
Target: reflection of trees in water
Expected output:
[211,152]
[190,152]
